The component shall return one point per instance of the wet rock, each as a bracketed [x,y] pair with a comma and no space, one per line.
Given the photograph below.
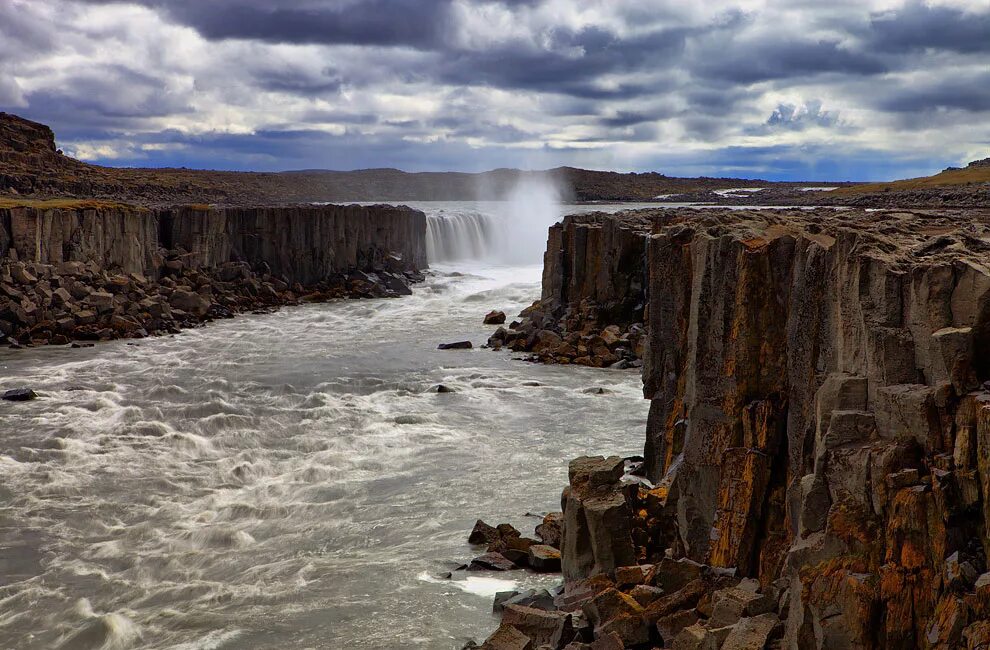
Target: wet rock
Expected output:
[543,558]
[19,395]
[537,598]
[441,388]
[495,318]
[457,345]
[482,533]
[491,562]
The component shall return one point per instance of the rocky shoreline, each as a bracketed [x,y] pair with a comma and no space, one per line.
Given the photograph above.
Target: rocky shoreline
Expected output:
[592,308]
[92,272]
[815,468]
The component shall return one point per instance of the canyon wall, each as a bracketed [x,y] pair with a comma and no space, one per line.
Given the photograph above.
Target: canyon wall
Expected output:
[90,270]
[817,413]
[303,243]
[817,461]
[593,299]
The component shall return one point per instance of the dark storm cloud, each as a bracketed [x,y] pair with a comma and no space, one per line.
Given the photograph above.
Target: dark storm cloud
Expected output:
[455,83]
[919,26]
[572,62]
[417,23]
[962,93]
[764,60]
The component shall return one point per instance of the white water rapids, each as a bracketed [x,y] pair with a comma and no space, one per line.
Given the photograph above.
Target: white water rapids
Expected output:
[289,480]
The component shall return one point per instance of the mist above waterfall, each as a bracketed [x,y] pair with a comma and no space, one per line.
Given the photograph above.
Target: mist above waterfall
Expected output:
[511,230]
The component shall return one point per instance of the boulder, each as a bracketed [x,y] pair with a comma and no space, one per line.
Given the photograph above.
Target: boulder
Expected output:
[507,637]
[543,558]
[495,318]
[457,345]
[550,531]
[544,628]
[491,562]
[751,633]
[19,395]
[190,302]
[482,533]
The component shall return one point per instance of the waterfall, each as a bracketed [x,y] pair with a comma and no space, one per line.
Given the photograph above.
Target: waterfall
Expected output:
[468,235]
[511,231]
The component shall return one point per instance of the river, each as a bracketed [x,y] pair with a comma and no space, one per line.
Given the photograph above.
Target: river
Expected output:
[291,480]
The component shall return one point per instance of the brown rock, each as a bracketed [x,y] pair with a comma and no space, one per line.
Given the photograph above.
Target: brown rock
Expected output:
[544,628]
[507,637]
[495,318]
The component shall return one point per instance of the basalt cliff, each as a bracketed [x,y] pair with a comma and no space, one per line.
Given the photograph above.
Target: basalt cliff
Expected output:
[816,471]
[85,270]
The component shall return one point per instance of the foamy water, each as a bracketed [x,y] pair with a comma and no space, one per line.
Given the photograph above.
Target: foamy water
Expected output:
[288,480]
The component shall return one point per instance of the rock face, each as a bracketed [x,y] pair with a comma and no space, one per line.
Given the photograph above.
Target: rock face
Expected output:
[97,271]
[594,294]
[818,438]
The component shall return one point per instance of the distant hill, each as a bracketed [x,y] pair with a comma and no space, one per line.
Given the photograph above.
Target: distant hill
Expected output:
[958,187]
[31,165]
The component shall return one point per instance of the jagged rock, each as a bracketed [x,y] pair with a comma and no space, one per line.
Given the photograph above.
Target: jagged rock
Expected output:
[544,558]
[507,637]
[495,318]
[550,531]
[671,625]
[189,301]
[491,562]
[552,629]
[645,594]
[539,599]
[751,633]
[612,611]
[482,533]
[699,637]
[597,519]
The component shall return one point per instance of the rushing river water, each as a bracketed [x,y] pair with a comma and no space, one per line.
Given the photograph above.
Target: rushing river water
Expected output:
[289,480]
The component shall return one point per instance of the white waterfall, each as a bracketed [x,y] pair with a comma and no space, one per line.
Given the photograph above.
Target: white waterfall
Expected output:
[510,231]
[456,235]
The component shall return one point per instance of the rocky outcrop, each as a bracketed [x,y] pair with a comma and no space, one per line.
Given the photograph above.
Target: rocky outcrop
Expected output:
[95,271]
[592,306]
[816,456]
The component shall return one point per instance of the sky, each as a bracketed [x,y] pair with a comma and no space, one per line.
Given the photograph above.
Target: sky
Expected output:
[796,90]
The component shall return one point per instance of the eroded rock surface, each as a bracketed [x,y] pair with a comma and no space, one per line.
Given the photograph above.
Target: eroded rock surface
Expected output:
[816,459]
[96,271]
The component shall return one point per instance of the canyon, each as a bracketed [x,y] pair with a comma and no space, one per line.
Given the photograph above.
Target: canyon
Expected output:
[815,469]
[815,464]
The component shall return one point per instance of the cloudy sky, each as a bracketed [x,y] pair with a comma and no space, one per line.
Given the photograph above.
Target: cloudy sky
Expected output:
[802,89]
